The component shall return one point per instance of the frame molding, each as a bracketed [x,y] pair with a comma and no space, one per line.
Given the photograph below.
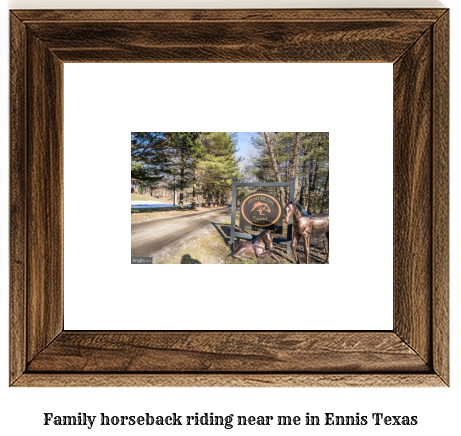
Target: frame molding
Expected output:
[415,353]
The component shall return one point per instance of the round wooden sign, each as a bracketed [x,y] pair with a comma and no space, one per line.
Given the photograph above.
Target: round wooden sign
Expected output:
[261,211]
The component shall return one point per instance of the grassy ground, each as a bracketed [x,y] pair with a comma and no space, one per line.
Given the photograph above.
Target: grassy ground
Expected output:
[145,197]
[141,215]
[208,249]
[213,248]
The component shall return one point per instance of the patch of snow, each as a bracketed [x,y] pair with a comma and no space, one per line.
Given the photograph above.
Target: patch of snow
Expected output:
[151,204]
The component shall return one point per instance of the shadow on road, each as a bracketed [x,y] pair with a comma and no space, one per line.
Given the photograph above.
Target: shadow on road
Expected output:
[187,259]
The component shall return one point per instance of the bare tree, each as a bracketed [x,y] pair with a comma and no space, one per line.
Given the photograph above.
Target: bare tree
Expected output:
[275,167]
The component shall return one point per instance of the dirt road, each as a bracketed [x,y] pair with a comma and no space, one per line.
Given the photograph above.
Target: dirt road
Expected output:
[153,238]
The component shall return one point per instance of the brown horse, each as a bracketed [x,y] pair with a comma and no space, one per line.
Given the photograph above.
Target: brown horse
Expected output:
[255,247]
[305,226]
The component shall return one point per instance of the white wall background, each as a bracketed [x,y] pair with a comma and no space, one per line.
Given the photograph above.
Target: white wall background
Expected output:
[351,101]
[22,410]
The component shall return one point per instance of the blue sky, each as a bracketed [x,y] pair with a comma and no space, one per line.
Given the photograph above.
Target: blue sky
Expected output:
[244,143]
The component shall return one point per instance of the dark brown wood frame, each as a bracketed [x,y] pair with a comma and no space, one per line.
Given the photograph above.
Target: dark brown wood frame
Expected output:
[415,353]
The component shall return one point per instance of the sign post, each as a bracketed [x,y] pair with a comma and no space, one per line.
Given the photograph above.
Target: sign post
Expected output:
[262,221]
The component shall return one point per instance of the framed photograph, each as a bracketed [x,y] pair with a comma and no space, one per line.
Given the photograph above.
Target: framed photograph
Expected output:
[415,352]
[202,174]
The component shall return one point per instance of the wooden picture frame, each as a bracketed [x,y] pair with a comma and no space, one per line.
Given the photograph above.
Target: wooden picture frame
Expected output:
[414,353]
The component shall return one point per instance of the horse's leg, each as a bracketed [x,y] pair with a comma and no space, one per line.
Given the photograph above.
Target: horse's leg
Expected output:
[275,257]
[249,253]
[235,248]
[242,252]
[259,252]
[268,253]
[239,253]
[294,242]
[307,245]
[327,234]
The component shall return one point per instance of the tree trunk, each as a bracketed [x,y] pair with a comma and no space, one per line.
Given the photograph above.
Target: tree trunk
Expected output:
[275,167]
[194,186]
[314,190]
[294,167]
[303,185]
[326,194]
[181,188]
[310,194]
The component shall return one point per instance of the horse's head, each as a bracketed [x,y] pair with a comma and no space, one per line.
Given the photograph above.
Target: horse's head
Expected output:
[289,211]
[268,240]
[260,207]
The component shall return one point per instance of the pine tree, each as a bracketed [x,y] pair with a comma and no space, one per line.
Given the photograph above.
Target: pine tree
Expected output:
[150,156]
[218,167]
[186,146]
